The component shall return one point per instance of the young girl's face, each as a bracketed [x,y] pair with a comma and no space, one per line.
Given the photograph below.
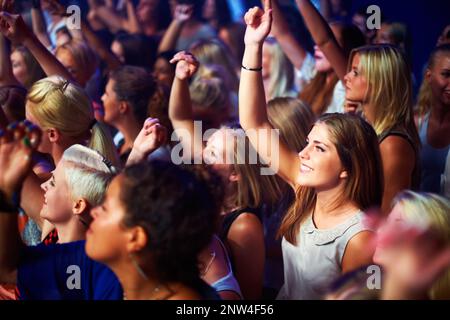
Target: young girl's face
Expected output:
[320,166]
[356,84]
[106,236]
[19,67]
[57,207]
[439,79]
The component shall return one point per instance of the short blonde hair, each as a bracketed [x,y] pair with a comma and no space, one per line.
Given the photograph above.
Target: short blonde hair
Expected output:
[57,103]
[432,211]
[87,173]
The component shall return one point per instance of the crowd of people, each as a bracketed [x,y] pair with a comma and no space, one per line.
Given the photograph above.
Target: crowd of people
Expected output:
[186,150]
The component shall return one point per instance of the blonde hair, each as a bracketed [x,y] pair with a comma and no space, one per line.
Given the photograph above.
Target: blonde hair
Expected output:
[432,211]
[87,173]
[253,188]
[213,51]
[390,87]
[359,154]
[57,103]
[281,81]
[209,90]
[293,118]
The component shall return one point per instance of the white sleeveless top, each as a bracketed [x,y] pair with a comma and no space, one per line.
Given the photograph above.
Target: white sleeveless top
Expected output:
[315,263]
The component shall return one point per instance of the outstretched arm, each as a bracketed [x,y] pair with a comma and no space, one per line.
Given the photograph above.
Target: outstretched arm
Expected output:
[323,37]
[180,105]
[6,73]
[280,29]
[13,27]
[16,145]
[181,15]
[38,23]
[252,103]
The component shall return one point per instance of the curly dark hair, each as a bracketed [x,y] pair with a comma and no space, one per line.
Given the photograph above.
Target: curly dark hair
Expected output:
[178,211]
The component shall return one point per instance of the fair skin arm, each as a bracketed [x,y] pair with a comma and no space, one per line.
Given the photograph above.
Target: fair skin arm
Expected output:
[359,251]
[323,37]
[39,27]
[14,28]
[170,38]
[180,106]
[246,242]
[252,102]
[133,22]
[398,161]
[280,29]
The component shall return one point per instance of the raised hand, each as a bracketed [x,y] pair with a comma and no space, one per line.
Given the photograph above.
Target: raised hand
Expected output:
[183,12]
[13,27]
[17,143]
[258,23]
[187,65]
[152,136]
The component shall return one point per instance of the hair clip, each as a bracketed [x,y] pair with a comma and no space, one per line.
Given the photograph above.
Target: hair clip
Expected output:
[65,85]
[108,163]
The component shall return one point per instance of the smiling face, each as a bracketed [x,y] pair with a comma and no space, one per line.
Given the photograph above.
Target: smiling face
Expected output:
[57,207]
[439,79]
[106,237]
[321,167]
[356,84]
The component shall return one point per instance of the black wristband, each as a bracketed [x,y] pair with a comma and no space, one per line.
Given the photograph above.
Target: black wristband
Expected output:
[252,69]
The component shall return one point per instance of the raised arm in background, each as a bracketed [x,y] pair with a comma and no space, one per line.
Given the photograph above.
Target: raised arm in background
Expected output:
[181,14]
[323,37]
[14,28]
[280,30]
[180,105]
[252,103]
[6,74]
[39,25]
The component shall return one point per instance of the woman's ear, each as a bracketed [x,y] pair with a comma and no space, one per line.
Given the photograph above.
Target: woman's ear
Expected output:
[80,206]
[137,239]
[344,174]
[124,107]
[428,75]
[53,135]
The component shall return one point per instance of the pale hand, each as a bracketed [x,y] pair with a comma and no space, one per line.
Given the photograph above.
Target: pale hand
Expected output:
[258,23]
[13,27]
[187,65]
[183,12]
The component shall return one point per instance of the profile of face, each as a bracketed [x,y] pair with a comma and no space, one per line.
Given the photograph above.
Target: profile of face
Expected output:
[322,63]
[19,67]
[79,73]
[57,207]
[215,154]
[439,79]
[163,72]
[117,49]
[62,37]
[111,104]
[46,145]
[356,84]
[321,167]
[106,237]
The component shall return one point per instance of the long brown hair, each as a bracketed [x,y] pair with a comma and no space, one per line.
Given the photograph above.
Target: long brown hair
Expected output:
[357,146]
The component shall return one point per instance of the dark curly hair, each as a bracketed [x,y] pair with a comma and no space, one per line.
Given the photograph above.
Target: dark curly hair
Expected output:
[178,211]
